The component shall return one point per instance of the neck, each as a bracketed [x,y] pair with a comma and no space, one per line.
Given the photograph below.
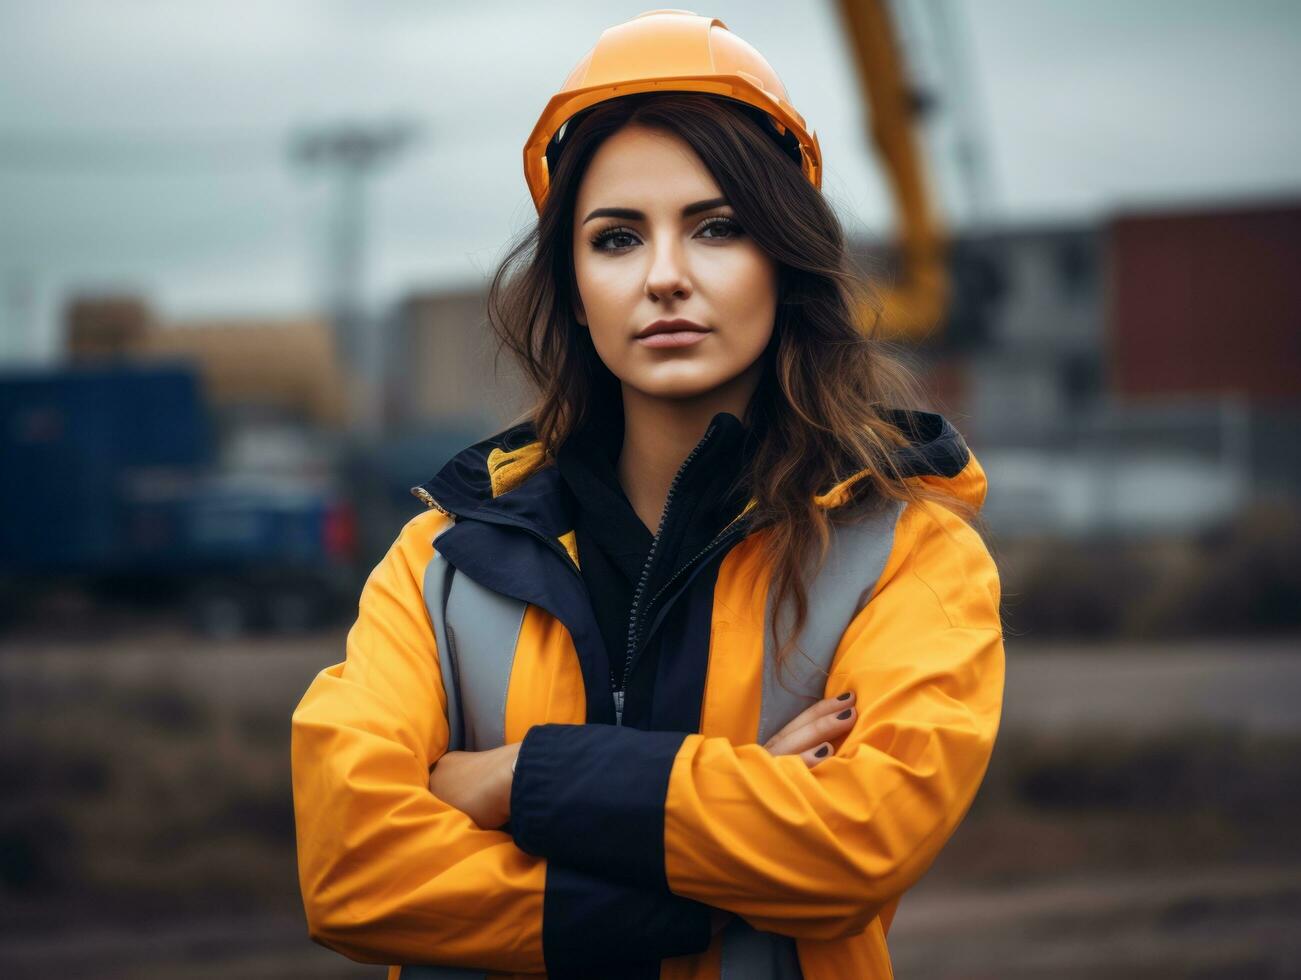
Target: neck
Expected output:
[659,433]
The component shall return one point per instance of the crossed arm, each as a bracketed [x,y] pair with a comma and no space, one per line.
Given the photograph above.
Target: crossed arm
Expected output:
[392,872]
[479,783]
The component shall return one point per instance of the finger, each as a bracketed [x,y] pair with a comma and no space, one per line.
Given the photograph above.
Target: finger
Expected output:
[817,710]
[814,756]
[824,728]
[827,706]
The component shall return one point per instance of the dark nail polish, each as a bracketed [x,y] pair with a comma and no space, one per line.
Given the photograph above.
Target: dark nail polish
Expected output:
[844,714]
[822,752]
[843,697]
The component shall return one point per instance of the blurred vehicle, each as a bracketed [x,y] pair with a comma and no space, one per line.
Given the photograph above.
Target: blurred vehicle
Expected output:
[113,479]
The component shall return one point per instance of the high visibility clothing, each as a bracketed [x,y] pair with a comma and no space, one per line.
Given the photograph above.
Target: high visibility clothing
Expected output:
[669,51]
[631,822]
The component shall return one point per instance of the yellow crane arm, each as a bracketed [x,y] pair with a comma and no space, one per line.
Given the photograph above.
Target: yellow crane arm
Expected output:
[913,306]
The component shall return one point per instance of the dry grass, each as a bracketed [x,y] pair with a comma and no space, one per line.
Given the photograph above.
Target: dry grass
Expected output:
[150,780]
[144,785]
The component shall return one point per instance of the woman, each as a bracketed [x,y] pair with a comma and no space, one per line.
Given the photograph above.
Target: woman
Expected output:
[563,743]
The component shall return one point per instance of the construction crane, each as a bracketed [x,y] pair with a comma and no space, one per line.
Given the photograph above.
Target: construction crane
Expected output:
[918,305]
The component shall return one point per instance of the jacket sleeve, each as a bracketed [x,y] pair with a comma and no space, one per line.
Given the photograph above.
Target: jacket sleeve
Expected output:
[391,874]
[811,853]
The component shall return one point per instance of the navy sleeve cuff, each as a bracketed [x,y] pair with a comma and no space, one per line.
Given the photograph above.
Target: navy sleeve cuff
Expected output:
[592,924]
[592,797]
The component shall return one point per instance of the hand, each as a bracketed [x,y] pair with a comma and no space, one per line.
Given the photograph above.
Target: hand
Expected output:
[477,783]
[809,735]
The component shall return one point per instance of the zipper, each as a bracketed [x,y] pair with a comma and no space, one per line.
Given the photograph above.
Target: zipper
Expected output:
[718,539]
[427,498]
[618,707]
[633,611]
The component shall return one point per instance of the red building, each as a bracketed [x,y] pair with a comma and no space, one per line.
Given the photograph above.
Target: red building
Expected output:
[1206,303]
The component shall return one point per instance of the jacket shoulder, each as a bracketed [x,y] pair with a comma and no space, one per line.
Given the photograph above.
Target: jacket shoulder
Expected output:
[414,548]
[944,558]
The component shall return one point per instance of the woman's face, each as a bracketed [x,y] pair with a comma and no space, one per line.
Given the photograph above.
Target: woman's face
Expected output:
[655,241]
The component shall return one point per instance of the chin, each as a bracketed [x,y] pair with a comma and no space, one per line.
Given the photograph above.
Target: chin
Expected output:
[680,385]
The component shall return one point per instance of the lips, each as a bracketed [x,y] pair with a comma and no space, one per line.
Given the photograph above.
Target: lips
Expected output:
[664,334]
[673,338]
[670,326]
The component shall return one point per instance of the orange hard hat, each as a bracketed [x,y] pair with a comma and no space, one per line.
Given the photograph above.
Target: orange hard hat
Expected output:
[669,51]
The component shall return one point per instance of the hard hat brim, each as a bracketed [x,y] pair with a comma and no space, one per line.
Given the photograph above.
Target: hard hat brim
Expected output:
[565,105]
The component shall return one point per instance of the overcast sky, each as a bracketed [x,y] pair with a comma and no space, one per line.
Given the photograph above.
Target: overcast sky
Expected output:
[143,143]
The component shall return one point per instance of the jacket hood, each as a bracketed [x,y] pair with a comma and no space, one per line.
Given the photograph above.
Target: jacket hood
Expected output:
[936,454]
[477,483]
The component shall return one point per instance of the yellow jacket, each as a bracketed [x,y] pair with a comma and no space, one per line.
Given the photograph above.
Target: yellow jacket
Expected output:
[622,839]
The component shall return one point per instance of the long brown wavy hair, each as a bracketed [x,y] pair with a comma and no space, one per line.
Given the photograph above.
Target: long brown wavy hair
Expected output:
[827,383]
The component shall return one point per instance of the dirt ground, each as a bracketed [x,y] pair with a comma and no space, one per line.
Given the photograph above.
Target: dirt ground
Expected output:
[1137,820]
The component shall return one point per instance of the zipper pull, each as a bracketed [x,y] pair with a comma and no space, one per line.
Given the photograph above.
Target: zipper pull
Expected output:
[618,707]
[426,498]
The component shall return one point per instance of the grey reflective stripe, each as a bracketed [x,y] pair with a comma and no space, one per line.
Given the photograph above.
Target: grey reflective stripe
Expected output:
[477,631]
[438,585]
[483,627]
[855,559]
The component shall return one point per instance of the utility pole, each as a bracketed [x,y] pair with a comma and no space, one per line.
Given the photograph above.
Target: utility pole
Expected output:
[351,152]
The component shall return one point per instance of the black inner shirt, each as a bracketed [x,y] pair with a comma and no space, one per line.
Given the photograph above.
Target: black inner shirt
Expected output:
[614,544]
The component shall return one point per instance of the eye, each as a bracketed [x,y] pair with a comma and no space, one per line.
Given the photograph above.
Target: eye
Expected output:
[722,227]
[614,239]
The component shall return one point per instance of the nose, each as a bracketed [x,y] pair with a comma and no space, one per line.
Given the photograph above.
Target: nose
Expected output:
[667,276]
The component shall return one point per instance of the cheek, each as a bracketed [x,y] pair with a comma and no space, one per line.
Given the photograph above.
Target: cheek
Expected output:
[609,292]
[750,299]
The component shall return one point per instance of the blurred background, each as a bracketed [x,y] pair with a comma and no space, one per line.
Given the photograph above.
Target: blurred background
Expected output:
[243,261]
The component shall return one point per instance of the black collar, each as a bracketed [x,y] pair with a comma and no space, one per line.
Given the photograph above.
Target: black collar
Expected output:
[706,497]
[544,504]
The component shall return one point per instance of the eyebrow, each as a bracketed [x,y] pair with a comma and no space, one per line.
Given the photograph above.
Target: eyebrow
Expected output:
[631,214]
